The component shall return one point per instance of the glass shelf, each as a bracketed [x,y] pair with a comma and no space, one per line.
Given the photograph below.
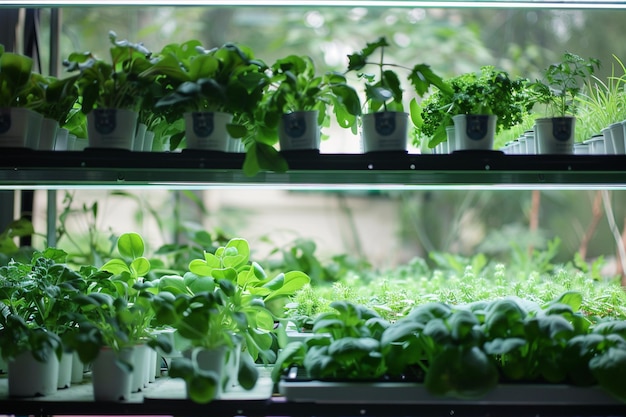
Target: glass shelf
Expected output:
[26,169]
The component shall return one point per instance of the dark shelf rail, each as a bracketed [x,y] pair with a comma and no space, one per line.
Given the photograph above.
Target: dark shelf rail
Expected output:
[108,168]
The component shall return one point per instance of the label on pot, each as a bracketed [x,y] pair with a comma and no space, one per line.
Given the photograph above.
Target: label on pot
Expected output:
[562,128]
[105,121]
[203,124]
[295,124]
[5,120]
[384,123]
[477,126]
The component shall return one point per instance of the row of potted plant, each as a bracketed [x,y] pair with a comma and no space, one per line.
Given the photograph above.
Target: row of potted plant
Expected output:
[110,315]
[227,99]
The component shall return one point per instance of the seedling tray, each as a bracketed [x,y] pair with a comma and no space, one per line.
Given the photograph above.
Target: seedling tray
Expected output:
[297,389]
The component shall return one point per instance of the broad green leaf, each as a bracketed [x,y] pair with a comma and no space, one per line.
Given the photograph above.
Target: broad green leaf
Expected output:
[500,346]
[130,245]
[198,284]
[140,267]
[574,299]
[201,267]
[248,373]
[173,284]
[292,282]
[352,348]
[115,266]
[462,373]
[19,228]
[609,369]
[401,332]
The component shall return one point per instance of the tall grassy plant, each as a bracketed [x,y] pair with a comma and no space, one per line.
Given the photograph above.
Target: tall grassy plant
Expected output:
[602,102]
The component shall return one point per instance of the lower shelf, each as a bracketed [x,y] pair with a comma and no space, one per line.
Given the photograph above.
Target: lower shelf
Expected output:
[167,397]
[414,393]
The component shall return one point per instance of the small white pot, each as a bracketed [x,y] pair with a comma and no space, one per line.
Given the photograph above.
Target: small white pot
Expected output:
[148,139]
[19,128]
[150,368]
[231,368]
[596,145]
[207,130]
[111,128]
[65,371]
[609,149]
[62,139]
[531,142]
[555,135]
[48,134]
[141,358]
[210,360]
[451,138]
[384,131]
[617,138]
[140,134]
[475,131]
[111,382]
[299,131]
[28,377]
[581,148]
[78,369]
[79,144]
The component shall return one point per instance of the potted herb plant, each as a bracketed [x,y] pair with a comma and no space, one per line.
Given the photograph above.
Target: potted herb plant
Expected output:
[302,100]
[558,93]
[57,104]
[18,122]
[115,318]
[385,124]
[215,90]
[479,105]
[111,92]
[220,305]
[36,299]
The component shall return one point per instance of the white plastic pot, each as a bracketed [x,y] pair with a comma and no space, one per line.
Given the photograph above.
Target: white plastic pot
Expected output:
[111,128]
[384,131]
[555,135]
[299,131]
[475,131]
[207,130]
[29,378]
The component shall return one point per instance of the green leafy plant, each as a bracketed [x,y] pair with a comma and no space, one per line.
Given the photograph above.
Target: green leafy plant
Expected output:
[59,98]
[562,83]
[491,91]
[36,300]
[116,308]
[384,89]
[295,86]
[347,345]
[8,248]
[115,84]
[220,79]
[219,301]
[15,78]
[601,102]
[464,351]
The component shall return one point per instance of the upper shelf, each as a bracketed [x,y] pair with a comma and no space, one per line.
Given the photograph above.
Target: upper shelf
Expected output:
[529,4]
[26,169]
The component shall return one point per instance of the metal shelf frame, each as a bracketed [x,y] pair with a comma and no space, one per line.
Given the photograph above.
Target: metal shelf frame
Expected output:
[102,168]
